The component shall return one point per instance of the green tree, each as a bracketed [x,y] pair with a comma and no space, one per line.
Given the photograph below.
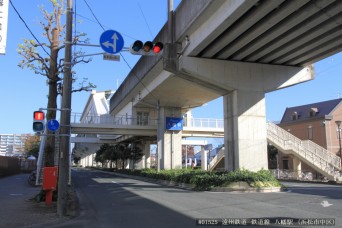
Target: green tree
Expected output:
[116,155]
[101,155]
[123,153]
[31,145]
[135,154]
[43,59]
[272,153]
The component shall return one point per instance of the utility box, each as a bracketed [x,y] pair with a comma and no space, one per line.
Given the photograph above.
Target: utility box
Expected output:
[49,178]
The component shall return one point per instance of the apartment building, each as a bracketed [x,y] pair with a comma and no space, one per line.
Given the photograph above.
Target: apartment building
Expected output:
[12,144]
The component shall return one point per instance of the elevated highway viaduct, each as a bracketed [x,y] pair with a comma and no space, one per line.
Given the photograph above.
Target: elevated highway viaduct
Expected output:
[238,49]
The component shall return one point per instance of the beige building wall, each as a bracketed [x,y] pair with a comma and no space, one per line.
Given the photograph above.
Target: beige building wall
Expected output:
[314,130]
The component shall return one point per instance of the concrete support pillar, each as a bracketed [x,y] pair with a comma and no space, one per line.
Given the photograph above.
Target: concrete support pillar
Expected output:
[245,130]
[169,142]
[145,161]
[147,156]
[204,164]
[297,167]
[82,162]
[244,86]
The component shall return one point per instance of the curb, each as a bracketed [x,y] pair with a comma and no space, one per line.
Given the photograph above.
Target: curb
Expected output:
[160,182]
[242,186]
[233,187]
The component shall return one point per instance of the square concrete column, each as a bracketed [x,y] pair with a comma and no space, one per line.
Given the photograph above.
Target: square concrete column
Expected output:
[204,160]
[145,161]
[169,142]
[245,130]
[297,167]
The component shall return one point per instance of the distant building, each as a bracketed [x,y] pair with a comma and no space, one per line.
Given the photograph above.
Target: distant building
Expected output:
[315,122]
[96,109]
[11,144]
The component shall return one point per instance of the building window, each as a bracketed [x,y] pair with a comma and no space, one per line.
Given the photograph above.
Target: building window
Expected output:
[310,133]
[285,164]
[313,112]
[142,118]
[294,116]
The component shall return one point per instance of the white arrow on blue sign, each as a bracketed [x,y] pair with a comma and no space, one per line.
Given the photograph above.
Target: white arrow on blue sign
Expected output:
[111,41]
[53,125]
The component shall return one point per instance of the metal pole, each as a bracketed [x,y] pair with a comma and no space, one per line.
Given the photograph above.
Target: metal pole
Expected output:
[64,157]
[338,123]
[170,21]
[186,156]
[339,140]
[159,146]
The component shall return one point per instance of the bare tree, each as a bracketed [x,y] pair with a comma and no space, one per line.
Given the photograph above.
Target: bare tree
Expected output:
[49,65]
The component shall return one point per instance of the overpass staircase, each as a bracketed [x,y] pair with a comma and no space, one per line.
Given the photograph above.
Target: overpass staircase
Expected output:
[307,151]
[215,162]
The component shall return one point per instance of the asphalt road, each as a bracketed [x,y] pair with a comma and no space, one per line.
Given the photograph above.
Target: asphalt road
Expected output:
[108,200]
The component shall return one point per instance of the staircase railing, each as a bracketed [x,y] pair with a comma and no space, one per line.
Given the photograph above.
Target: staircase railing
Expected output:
[314,154]
[216,159]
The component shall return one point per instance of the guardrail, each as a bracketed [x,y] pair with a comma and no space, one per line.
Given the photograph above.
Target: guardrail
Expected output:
[203,123]
[216,159]
[317,156]
[77,118]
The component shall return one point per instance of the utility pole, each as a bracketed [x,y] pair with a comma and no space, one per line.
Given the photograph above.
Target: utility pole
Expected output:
[64,155]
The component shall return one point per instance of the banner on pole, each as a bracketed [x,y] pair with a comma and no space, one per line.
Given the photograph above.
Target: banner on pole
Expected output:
[3,25]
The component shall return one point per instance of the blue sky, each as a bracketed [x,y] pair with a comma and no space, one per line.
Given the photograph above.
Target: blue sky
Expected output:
[23,92]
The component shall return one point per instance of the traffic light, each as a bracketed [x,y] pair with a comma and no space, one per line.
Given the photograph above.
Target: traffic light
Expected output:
[147,48]
[38,121]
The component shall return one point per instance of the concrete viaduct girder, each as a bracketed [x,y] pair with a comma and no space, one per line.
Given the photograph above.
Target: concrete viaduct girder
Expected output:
[236,49]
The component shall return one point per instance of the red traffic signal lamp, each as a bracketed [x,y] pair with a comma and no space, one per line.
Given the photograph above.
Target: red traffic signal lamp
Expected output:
[147,48]
[38,121]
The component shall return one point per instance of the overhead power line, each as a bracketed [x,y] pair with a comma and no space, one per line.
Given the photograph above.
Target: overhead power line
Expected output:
[139,80]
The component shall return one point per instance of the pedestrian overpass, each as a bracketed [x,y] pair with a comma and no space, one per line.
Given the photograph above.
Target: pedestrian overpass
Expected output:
[238,49]
[307,151]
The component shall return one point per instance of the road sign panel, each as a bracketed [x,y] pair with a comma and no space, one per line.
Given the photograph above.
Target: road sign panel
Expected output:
[53,125]
[111,41]
[174,123]
[111,57]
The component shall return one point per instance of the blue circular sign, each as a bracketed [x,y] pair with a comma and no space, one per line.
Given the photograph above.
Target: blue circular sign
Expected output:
[111,41]
[53,125]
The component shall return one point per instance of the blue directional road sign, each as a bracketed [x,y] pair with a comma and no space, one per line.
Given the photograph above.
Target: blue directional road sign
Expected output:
[174,124]
[111,41]
[53,125]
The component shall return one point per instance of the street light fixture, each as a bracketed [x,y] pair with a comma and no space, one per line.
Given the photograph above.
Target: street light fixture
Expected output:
[338,123]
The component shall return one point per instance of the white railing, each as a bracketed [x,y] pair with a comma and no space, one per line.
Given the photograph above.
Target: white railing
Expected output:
[216,159]
[77,118]
[308,150]
[204,123]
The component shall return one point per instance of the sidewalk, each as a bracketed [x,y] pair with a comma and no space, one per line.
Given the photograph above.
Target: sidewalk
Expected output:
[18,210]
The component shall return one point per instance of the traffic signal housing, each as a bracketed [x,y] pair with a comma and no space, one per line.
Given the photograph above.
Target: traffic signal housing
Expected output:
[38,121]
[147,48]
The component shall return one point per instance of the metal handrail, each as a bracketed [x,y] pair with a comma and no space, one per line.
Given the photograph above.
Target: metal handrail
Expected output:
[206,123]
[216,159]
[315,154]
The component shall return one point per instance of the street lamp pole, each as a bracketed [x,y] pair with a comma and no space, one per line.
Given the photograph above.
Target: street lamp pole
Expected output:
[338,123]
